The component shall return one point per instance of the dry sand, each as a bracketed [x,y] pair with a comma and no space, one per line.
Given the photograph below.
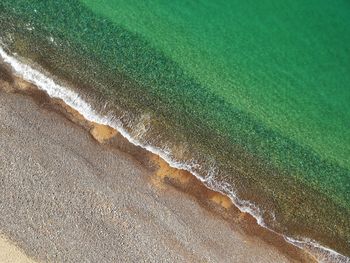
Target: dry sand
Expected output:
[9,253]
[64,197]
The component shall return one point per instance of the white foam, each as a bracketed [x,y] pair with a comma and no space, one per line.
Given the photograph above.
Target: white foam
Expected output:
[74,100]
[322,254]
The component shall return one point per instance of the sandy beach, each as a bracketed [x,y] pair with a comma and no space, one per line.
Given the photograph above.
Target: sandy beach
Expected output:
[70,195]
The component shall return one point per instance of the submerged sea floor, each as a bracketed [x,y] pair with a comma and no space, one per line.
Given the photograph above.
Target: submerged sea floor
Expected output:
[252,98]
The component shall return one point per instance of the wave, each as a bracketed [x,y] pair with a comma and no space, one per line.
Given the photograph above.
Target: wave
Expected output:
[40,79]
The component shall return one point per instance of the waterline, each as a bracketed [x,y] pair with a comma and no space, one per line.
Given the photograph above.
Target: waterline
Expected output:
[75,101]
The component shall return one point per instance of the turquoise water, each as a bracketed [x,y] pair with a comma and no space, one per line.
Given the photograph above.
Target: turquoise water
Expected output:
[256,94]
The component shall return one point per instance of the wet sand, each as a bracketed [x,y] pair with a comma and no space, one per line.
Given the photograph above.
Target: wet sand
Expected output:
[67,197]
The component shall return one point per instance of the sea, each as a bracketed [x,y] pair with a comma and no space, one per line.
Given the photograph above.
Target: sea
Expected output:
[251,97]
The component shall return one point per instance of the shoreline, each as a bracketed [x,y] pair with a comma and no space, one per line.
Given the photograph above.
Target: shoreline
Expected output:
[93,201]
[56,88]
[63,102]
[214,125]
[163,174]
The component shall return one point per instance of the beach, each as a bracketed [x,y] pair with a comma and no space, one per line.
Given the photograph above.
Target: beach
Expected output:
[238,104]
[74,191]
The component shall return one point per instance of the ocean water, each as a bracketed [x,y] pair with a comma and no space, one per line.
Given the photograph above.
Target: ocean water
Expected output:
[253,97]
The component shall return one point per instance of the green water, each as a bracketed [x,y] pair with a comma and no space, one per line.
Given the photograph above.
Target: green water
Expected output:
[287,63]
[257,91]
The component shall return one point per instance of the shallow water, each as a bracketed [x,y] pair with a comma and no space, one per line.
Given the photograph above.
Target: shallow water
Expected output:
[252,97]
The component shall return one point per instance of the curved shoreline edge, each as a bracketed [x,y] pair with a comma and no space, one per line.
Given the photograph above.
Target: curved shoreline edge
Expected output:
[10,252]
[72,100]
